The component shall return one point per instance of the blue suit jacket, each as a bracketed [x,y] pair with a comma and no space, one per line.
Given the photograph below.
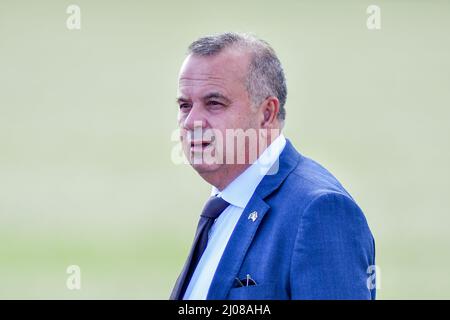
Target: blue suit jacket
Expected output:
[309,241]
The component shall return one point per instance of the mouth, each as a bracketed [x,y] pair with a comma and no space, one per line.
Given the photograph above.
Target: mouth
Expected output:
[199,146]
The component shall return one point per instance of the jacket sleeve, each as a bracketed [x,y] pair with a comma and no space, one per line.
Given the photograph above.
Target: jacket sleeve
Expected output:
[333,251]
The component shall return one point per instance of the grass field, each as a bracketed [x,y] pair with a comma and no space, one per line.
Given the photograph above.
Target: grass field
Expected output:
[86,118]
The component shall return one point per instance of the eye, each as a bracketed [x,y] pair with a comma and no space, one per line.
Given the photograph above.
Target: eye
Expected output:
[214,103]
[184,106]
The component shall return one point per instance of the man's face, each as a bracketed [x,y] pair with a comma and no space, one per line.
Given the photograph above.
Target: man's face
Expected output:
[212,98]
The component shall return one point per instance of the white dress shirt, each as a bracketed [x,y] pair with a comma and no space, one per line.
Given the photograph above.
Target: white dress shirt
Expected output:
[237,194]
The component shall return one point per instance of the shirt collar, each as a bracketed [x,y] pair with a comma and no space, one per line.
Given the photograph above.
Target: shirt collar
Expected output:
[241,189]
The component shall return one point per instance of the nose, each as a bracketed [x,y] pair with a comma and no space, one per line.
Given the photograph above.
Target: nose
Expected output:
[195,119]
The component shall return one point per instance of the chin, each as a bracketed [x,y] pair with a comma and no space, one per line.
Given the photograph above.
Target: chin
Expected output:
[203,165]
[204,168]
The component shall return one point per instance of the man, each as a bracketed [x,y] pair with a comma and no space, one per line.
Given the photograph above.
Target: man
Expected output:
[278,225]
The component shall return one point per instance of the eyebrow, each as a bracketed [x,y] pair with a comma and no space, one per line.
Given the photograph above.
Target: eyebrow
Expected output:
[182,99]
[216,95]
[211,95]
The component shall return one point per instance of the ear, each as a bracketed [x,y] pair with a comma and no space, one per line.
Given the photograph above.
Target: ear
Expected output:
[270,108]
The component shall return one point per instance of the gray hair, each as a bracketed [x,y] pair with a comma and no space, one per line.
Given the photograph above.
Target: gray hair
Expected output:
[265,74]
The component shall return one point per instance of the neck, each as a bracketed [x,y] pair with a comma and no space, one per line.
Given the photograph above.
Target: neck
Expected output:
[228,172]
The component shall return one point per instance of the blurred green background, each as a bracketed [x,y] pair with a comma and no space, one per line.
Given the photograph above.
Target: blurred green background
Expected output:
[86,118]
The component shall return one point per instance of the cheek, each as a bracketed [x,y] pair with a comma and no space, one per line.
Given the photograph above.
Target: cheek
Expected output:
[236,117]
[246,120]
[180,118]
[183,136]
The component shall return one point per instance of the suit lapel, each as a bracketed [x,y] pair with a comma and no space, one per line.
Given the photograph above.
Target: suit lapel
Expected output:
[236,249]
[246,227]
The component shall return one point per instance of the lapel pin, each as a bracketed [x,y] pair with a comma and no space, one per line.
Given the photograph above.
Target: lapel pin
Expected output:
[253,216]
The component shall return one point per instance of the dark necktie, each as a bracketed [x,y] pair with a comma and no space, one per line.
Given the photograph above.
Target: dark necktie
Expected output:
[213,208]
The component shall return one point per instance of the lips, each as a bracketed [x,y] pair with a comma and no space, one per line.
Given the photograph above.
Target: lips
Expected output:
[202,144]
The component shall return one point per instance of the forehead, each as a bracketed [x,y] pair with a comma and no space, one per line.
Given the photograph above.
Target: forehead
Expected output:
[225,71]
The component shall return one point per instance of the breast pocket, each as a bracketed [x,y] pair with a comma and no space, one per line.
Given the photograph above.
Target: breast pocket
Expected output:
[265,291]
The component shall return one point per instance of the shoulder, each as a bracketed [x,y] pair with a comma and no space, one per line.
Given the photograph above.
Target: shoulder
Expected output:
[310,182]
[310,194]
[321,205]
[310,191]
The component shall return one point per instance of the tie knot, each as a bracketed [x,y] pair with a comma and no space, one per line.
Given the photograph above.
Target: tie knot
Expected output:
[214,207]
